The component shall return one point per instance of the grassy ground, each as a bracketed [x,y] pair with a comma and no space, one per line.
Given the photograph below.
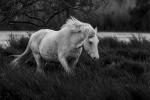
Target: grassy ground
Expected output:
[122,73]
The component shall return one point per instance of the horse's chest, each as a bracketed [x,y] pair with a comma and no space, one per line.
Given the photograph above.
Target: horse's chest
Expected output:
[73,55]
[75,52]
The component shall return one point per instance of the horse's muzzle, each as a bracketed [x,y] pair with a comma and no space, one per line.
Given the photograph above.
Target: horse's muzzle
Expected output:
[96,58]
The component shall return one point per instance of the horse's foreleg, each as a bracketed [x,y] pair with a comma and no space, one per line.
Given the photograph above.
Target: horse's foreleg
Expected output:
[65,65]
[38,60]
[74,62]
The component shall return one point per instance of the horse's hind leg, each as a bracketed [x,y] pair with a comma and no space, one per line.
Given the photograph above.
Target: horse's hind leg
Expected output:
[39,62]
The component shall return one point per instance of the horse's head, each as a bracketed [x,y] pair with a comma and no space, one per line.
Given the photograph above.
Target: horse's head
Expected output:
[91,45]
[87,36]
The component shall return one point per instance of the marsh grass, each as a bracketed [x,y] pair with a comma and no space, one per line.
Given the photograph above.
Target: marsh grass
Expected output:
[122,73]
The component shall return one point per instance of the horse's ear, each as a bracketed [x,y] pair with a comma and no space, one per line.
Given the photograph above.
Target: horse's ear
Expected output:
[96,30]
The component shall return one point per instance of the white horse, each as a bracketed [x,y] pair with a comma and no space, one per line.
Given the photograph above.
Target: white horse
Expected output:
[64,46]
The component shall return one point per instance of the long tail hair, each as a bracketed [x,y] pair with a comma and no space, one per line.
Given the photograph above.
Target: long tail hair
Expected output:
[20,59]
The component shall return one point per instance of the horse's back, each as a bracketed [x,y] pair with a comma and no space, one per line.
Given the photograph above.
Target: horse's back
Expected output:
[39,34]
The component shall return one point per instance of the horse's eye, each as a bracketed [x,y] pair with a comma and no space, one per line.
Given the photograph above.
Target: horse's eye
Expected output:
[90,36]
[79,31]
[90,42]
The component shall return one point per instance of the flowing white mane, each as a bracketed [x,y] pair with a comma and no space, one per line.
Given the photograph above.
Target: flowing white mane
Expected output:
[77,25]
[72,22]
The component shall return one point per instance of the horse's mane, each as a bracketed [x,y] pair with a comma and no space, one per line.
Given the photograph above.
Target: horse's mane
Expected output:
[76,25]
[72,21]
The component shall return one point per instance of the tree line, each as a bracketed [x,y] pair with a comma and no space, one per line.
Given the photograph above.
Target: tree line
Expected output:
[37,14]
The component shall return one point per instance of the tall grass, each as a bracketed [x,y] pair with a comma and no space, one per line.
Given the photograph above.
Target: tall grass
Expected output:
[121,73]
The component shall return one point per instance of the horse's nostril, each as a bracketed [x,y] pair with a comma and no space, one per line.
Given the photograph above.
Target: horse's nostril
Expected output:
[95,58]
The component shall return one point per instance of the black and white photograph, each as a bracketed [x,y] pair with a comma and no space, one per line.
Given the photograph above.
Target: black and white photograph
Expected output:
[74,49]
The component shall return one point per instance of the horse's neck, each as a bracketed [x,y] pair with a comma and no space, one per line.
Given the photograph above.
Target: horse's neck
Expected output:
[72,39]
[76,39]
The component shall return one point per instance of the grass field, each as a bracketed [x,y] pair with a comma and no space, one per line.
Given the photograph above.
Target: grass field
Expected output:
[122,73]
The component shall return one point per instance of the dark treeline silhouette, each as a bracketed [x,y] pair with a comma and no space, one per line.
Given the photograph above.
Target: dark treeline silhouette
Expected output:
[107,15]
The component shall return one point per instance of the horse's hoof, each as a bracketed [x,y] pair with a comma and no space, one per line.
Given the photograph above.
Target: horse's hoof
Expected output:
[69,72]
[40,72]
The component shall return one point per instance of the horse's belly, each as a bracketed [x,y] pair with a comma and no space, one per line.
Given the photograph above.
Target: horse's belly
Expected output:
[49,52]
[50,55]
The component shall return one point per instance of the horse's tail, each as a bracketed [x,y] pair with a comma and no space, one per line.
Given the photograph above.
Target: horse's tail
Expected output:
[20,59]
